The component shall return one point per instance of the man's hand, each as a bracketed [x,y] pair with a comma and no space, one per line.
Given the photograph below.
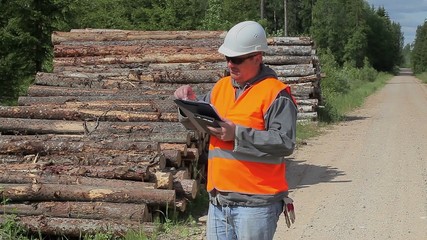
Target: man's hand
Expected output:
[226,132]
[185,92]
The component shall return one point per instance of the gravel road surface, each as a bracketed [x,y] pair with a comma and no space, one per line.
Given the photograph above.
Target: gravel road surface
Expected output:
[366,178]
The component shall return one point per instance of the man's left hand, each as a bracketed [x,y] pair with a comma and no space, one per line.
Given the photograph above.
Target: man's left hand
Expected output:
[226,132]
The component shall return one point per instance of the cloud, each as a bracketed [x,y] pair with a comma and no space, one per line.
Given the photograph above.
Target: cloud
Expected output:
[408,13]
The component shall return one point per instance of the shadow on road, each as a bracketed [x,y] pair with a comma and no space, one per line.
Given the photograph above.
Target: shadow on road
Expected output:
[298,177]
[354,118]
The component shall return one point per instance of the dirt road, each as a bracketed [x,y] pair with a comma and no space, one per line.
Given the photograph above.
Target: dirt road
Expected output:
[367,177]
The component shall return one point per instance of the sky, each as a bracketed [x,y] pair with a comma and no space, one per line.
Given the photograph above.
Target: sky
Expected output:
[408,13]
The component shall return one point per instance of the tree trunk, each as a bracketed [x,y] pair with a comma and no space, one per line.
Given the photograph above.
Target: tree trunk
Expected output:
[60,192]
[290,41]
[64,147]
[123,35]
[187,188]
[182,148]
[17,177]
[125,50]
[146,58]
[299,70]
[77,114]
[85,210]
[33,126]
[77,227]
[136,172]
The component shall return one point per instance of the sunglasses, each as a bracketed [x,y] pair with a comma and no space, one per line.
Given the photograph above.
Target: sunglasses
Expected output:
[238,60]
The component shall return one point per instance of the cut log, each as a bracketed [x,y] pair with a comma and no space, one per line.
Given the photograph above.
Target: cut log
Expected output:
[187,188]
[181,204]
[60,192]
[299,70]
[174,137]
[88,159]
[123,35]
[16,177]
[180,173]
[77,114]
[295,79]
[64,147]
[128,172]
[163,180]
[146,58]
[290,41]
[122,95]
[173,158]
[179,76]
[95,71]
[85,210]
[106,106]
[47,91]
[294,50]
[103,131]
[125,50]
[182,148]
[38,126]
[73,227]
[286,60]
[193,155]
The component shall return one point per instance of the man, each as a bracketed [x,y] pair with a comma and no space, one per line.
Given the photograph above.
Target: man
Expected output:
[246,169]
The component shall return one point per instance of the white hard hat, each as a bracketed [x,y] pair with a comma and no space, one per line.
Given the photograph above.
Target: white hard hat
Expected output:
[245,37]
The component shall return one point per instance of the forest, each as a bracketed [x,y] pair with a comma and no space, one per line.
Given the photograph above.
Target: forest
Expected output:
[352,31]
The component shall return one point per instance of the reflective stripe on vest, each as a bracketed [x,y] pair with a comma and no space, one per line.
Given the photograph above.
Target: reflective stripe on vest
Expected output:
[229,171]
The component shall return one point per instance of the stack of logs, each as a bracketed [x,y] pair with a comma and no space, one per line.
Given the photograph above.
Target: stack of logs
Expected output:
[96,145]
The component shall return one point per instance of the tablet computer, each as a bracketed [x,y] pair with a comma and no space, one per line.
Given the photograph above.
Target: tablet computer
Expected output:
[201,114]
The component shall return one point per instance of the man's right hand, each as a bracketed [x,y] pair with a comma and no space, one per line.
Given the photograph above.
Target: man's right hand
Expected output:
[185,92]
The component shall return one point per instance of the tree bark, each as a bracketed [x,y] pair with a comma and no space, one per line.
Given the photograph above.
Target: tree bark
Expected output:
[136,172]
[187,188]
[146,58]
[123,35]
[44,112]
[293,50]
[18,177]
[119,50]
[122,95]
[34,126]
[59,192]
[83,210]
[290,41]
[182,148]
[77,227]
[173,158]
[299,70]
[65,147]
[287,60]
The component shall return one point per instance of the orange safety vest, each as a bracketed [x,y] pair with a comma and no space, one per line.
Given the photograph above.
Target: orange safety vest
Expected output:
[230,171]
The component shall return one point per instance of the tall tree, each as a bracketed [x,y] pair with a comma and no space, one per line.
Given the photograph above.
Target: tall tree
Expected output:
[384,41]
[214,19]
[329,27]
[26,27]
[419,52]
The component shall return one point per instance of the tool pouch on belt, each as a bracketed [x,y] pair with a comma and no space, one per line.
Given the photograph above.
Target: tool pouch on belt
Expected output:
[289,211]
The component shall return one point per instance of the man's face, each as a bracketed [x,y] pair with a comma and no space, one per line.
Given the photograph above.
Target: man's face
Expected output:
[244,68]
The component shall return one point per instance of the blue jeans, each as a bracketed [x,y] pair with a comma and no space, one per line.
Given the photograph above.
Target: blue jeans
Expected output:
[243,223]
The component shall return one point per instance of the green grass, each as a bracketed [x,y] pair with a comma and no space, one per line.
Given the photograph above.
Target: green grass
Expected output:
[355,98]
[422,77]
[307,130]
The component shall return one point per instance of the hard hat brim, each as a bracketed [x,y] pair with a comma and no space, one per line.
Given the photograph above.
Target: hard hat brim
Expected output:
[230,53]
